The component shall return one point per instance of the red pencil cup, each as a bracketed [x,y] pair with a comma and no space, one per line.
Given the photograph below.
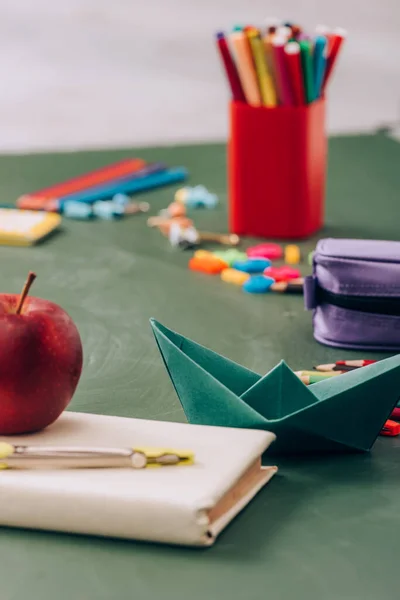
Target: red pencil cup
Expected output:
[277,170]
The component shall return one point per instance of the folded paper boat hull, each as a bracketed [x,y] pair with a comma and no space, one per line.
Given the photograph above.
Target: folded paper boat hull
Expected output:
[340,414]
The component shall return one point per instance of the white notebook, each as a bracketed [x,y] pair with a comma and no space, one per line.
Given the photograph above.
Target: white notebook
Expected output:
[188,505]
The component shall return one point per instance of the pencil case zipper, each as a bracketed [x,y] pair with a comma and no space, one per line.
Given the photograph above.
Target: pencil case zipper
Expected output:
[366,304]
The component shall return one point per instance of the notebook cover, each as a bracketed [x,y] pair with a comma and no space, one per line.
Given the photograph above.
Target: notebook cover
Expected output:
[169,504]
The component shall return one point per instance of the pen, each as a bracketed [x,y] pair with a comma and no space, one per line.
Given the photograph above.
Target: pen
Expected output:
[335,42]
[265,81]
[245,67]
[230,68]
[319,63]
[75,457]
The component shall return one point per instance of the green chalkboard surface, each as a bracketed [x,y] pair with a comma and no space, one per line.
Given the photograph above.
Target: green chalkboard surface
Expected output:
[323,529]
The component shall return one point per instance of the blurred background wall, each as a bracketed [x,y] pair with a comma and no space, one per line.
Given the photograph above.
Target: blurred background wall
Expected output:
[98,73]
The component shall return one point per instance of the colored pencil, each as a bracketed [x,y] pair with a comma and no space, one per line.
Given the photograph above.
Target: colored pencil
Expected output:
[347,365]
[293,61]
[132,186]
[37,200]
[245,67]
[269,57]
[230,69]
[310,379]
[335,43]
[333,367]
[295,286]
[317,375]
[319,63]
[265,81]
[355,363]
[282,76]
[306,61]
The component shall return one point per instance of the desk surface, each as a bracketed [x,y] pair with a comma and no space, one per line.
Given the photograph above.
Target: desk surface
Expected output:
[323,529]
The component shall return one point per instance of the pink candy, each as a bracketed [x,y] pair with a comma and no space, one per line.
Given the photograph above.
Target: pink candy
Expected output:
[282,273]
[266,250]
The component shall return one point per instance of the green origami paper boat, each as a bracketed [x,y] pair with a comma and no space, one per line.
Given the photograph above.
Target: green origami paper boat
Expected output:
[339,414]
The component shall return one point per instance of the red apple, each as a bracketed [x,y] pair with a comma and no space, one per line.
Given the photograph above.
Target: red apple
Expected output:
[40,361]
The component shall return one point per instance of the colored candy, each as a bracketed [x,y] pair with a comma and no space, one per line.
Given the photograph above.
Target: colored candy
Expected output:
[234,276]
[196,197]
[292,254]
[253,265]
[258,284]
[266,250]
[212,266]
[282,273]
[231,255]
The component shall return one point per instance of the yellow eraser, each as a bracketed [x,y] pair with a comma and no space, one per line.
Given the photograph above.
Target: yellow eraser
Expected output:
[292,254]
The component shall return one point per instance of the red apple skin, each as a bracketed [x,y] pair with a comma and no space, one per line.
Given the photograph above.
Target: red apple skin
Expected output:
[40,363]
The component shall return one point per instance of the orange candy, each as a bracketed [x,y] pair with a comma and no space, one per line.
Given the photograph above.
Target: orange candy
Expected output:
[212,266]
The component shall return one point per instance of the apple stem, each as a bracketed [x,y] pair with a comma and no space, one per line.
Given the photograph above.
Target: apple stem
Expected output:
[25,290]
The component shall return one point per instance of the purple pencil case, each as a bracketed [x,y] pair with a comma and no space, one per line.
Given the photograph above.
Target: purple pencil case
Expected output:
[354,293]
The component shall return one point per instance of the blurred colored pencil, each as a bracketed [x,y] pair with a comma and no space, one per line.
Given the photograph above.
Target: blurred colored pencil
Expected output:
[282,76]
[230,68]
[319,63]
[335,43]
[245,67]
[267,89]
[293,61]
[306,62]
[124,168]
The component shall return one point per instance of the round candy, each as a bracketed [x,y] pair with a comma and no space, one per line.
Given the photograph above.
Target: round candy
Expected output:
[292,254]
[234,276]
[282,273]
[267,250]
[253,265]
[259,284]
